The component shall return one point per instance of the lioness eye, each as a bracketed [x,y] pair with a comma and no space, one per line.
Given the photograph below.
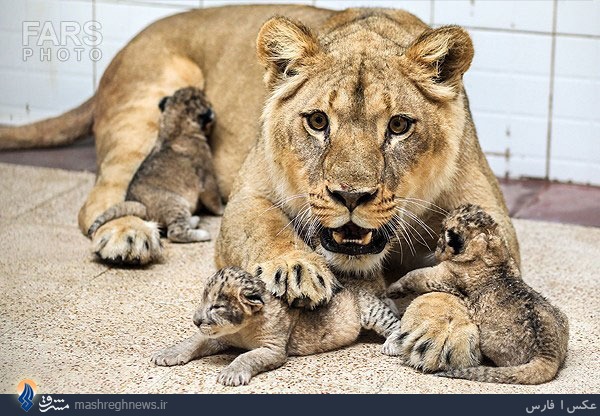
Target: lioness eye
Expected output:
[317,121]
[399,125]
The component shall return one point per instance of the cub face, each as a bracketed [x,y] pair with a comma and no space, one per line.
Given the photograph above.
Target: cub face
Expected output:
[363,128]
[460,228]
[229,300]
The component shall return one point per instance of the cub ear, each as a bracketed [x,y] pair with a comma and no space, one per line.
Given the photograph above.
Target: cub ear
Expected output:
[439,58]
[162,103]
[282,44]
[454,241]
[251,299]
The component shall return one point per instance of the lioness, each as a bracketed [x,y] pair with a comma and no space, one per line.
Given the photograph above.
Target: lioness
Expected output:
[366,139]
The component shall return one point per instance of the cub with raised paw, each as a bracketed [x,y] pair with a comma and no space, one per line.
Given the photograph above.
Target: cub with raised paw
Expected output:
[519,330]
[237,310]
[178,175]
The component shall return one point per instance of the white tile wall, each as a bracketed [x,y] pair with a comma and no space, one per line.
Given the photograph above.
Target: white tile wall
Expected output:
[121,21]
[579,17]
[575,146]
[527,53]
[532,15]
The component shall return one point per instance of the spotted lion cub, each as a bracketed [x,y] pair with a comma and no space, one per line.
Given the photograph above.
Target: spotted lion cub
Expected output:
[236,310]
[520,331]
[178,174]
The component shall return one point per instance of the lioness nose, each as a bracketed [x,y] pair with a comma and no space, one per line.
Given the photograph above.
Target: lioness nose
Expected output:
[353,199]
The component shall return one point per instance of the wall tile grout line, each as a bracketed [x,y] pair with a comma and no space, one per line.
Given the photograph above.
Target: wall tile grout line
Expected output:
[551,93]
[94,63]
[432,13]
[528,32]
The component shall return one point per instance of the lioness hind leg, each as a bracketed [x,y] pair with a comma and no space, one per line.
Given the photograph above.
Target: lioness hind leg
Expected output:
[126,119]
[438,334]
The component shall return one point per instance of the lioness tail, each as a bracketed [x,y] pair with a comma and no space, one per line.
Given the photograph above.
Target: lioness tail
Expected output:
[55,131]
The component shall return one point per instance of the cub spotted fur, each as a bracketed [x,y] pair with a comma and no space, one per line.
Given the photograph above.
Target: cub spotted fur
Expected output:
[177,174]
[237,310]
[520,331]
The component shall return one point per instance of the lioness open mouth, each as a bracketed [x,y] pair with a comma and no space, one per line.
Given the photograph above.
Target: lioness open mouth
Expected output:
[353,240]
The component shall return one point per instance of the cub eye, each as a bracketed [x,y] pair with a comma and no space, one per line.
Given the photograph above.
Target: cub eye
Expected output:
[399,125]
[317,121]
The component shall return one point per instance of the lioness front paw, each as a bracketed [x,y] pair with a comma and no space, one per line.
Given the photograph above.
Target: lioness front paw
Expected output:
[301,278]
[231,376]
[128,240]
[171,356]
[436,334]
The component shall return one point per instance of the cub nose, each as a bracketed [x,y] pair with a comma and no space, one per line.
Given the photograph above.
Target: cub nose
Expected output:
[353,199]
[198,319]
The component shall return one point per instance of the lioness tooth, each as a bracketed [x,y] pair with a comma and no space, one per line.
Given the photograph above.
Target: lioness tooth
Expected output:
[338,237]
[367,238]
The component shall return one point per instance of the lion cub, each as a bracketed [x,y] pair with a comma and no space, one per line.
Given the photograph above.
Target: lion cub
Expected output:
[520,331]
[236,310]
[177,174]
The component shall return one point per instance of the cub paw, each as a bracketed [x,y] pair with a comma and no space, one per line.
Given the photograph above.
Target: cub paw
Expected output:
[302,279]
[188,236]
[171,356]
[392,346]
[128,240]
[396,290]
[234,377]
[436,334]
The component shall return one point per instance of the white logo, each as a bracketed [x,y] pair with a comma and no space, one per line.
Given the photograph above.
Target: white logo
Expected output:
[48,403]
[65,41]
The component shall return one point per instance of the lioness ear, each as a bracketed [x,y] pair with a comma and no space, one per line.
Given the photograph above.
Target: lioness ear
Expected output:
[281,45]
[439,58]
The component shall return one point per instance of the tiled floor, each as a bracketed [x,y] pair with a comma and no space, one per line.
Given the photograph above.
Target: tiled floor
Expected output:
[75,325]
[527,199]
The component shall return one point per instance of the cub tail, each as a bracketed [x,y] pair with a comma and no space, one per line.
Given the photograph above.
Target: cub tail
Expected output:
[538,370]
[51,132]
[119,210]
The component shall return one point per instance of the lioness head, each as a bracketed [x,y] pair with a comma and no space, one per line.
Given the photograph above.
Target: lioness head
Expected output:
[363,125]
[230,298]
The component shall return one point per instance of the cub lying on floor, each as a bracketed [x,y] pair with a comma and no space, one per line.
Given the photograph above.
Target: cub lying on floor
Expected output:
[520,331]
[177,174]
[236,310]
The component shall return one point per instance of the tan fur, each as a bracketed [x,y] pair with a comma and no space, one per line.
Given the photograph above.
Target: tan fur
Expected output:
[178,175]
[236,310]
[360,66]
[519,330]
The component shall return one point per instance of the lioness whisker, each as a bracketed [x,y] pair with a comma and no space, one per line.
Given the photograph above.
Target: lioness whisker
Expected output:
[404,233]
[294,218]
[284,201]
[416,218]
[421,203]
[421,240]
